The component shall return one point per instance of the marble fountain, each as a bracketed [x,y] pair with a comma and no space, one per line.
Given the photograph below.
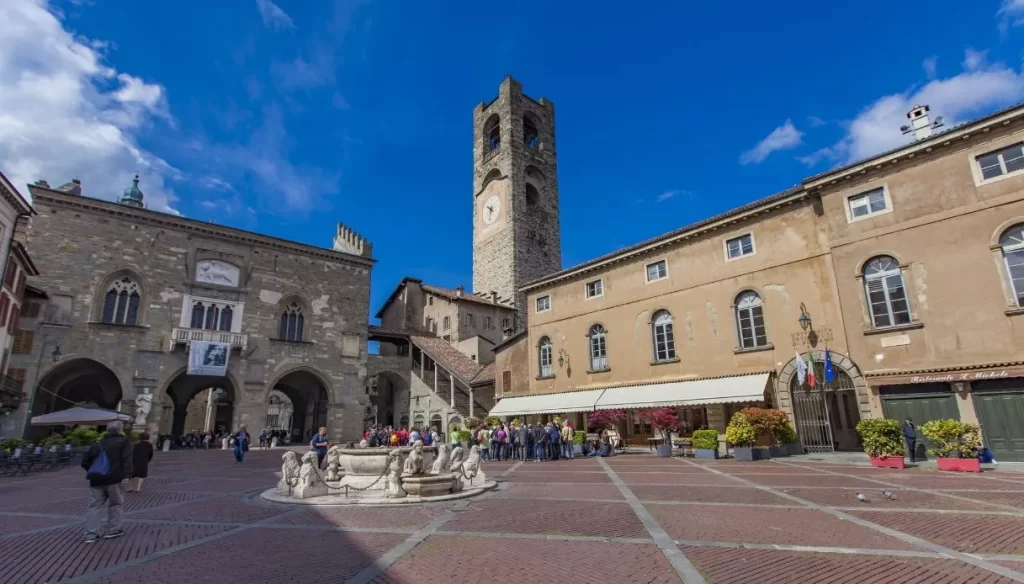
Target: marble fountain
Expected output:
[381,476]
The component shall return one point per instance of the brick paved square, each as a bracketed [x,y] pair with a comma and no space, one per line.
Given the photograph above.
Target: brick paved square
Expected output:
[549,517]
[767,525]
[876,499]
[224,508]
[58,554]
[379,517]
[988,534]
[1011,498]
[219,485]
[736,566]
[700,479]
[521,476]
[20,498]
[923,479]
[14,524]
[811,481]
[577,492]
[323,557]
[132,502]
[528,561]
[749,495]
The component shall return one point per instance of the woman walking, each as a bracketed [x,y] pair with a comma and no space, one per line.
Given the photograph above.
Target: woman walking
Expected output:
[241,444]
[142,453]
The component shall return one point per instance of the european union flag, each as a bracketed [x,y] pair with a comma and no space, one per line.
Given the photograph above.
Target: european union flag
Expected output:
[830,373]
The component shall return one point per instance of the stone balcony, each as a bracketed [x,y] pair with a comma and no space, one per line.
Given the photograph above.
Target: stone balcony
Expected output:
[184,336]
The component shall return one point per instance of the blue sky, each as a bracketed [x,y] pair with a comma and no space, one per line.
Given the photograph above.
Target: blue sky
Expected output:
[286,117]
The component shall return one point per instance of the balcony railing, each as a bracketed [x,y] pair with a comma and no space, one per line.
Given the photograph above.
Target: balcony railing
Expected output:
[184,336]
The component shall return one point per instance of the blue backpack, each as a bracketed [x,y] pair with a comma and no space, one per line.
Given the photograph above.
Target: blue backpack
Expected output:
[100,468]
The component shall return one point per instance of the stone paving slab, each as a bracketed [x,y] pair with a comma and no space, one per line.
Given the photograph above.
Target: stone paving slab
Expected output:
[877,499]
[768,525]
[11,524]
[744,566]
[549,517]
[469,560]
[745,495]
[381,518]
[990,534]
[561,491]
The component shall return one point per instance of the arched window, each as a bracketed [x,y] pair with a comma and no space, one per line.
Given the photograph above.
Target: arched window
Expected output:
[661,333]
[492,133]
[530,138]
[1012,242]
[886,296]
[532,195]
[292,323]
[211,316]
[598,349]
[121,303]
[492,175]
[198,314]
[750,321]
[544,357]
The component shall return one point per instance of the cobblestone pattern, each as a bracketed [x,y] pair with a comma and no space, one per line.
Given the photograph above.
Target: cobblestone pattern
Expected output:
[990,534]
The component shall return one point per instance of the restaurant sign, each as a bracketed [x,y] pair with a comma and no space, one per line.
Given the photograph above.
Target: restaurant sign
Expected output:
[950,377]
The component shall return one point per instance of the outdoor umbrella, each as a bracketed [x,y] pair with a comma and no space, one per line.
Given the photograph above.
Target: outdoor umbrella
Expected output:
[81,416]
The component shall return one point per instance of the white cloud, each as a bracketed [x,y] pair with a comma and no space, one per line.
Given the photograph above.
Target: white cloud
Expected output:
[930,66]
[273,17]
[977,90]
[301,74]
[784,137]
[64,113]
[1012,13]
[815,121]
[666,196]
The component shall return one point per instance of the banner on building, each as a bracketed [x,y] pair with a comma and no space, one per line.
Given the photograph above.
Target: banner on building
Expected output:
[208,358]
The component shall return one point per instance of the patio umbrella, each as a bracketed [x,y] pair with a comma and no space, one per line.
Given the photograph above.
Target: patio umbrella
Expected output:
[82,416]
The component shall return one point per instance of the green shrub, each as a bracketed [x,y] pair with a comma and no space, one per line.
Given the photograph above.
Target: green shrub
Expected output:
[579,437]
[83,436]
[952,436]
[492,421]
[740,432]
[472,422]
[465,436]
[881,437]
[10,444]
[705,439]
[785,433]
[54,440]
[516,422]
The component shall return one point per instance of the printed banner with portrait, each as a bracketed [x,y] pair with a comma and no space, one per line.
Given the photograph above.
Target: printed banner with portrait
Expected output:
[208,358]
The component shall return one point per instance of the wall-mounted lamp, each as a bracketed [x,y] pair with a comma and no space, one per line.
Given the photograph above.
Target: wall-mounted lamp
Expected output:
[805,319]
[959,387]
[56,354]
[563,357]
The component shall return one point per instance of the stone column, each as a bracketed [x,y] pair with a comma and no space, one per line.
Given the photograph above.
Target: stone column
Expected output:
[470,402]
[209,407]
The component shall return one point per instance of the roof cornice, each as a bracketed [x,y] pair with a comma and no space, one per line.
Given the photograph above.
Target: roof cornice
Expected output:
[158,219]
[971,131]
[12,196]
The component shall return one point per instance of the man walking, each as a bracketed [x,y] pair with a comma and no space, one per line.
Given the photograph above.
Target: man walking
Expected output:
[107,463]
[910,435]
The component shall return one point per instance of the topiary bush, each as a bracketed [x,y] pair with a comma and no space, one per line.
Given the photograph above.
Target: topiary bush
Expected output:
[465,436]
[952,438]
[881,437]
[472,422]
[579,437]
[740,432]
[706,439]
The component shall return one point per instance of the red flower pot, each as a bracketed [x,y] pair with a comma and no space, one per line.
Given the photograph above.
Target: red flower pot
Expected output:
[960,464]
[888,462]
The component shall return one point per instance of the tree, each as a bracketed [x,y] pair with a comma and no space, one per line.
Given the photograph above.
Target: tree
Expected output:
[604,419]
[661,419]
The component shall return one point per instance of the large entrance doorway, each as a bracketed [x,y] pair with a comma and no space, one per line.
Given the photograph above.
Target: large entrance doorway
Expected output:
[826,415]
[309,403]
[202,403]
[77,382]
[1000,407]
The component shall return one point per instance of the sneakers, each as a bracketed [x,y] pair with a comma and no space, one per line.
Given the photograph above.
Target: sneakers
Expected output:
[92,538]
[113,534]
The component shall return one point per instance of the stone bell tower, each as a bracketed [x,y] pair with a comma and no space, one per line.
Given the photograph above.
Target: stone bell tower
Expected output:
[516,234]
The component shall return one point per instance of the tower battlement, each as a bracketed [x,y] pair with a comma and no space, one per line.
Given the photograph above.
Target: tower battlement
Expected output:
[349,241]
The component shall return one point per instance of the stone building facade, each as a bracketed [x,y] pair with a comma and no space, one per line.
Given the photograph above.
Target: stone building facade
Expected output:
[907,268]
[126,290]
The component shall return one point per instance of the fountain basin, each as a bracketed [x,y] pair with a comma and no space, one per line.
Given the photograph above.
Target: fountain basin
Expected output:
[428,485]
[371,462]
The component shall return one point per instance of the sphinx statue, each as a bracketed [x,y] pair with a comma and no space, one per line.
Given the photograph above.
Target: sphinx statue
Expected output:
[393,485]
[444,452]
[414,463]
[289,472]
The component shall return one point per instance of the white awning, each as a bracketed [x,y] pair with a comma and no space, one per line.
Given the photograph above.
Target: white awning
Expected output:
[79,415]
[741,388]
[549,403]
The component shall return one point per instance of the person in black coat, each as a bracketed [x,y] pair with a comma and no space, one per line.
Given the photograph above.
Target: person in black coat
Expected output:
[142,453]
[105,483]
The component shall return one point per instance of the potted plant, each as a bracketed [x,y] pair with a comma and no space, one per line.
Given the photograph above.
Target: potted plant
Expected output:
[604,419]
[578,438]
[743,436]
[956,444]
[705,444]
[786,436]
[472,422]
[663,421]
[492,422]
[765,422]
[11,444]
[883,442]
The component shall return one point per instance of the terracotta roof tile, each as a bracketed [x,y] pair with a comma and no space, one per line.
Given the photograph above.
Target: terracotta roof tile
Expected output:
[448,356]
[455,295]
[486,374]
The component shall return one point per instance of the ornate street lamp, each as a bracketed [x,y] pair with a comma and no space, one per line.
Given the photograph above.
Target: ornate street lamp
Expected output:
[805,319]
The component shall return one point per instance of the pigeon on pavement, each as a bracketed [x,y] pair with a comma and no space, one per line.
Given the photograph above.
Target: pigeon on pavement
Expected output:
[862,498]
[889,495]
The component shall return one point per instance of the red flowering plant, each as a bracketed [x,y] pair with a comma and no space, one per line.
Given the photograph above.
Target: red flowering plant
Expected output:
[604,419]
[661,419]
[769,425]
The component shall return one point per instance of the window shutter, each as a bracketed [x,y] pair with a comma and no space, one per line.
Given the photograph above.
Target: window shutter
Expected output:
[875,285]
[506,381]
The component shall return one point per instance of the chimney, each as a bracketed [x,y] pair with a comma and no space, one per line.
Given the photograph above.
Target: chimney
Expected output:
[494,297]
[919,123]
[459,290]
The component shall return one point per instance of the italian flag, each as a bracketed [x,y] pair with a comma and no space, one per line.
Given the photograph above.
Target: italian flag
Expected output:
[811,382]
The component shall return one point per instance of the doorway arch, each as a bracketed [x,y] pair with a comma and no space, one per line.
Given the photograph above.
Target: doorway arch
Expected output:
[202,403]
[389,392]
[826,415]
[81,381]
[310,398]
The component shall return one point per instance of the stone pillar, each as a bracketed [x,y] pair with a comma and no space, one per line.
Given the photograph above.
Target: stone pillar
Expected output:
[451,389]
[965,403]
[470,402]
[209,407]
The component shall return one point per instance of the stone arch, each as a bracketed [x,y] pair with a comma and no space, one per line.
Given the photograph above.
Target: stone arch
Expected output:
[877,253]
[493,174]
[840,362]
[391,398]
[326,381]
[78,380]
[535,185]
[531,133]
[103,286]
[293,320]
[312,397]
[492,133]
[183,389]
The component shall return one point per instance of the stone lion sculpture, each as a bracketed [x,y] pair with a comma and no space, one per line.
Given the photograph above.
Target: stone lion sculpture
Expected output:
[441,463]
[289,472]
[333,464]
[309,474]
[393,486]
[472,464]
[455,462]
[414,462]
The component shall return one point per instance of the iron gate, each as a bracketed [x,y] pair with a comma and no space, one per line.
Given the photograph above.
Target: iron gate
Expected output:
[813,425]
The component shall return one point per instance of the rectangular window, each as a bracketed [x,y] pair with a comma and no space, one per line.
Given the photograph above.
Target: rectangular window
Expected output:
[430,325]
[447,323]
[30,309]
[1002,161]
[5,303]
[506,323]
[738,247]
[506,382]
[23,341]
[544,304]
[866,204]
[595,289]
[12,269]
[470,320]
[657,270]
[887,300]
[488,323]
[430,300]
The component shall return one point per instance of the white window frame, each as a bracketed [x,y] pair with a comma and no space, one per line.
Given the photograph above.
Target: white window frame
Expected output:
[647,272]
[1010,247]
[848,204]
[669,335]
[753,246]
[597,343]
[536,304]
[883,278]
[545,349]
[979,178]
[740,311]
[600,287]
[237,311]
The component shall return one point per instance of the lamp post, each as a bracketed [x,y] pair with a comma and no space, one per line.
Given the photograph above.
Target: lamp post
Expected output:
[55,355]
[805,319]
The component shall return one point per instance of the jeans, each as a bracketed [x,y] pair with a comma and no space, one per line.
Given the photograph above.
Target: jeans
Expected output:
[485,454]
[540,451]
[239,455]
[525,451]
[567,450]
[911,447]
[553,449]
[113,498]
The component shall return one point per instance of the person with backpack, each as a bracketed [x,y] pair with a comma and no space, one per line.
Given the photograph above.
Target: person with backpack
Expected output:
[107,463]
[241,444]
